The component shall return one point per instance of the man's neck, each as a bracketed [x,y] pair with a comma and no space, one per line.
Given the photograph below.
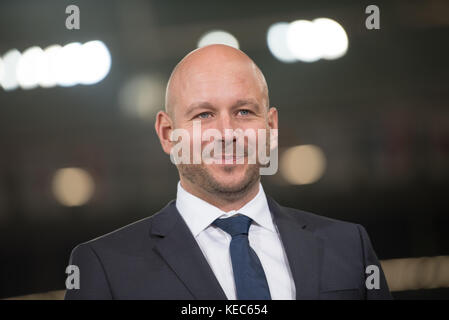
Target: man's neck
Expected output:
[223,203]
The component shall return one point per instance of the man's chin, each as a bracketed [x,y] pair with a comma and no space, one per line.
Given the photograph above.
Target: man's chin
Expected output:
[225,171]
[231,177]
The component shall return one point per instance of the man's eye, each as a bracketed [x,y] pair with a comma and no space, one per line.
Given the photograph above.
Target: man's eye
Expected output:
[203,115]
[243,112]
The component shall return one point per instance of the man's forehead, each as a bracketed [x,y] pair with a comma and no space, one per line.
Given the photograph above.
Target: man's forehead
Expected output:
[218,86]
[211,53]
[214,68]
[229,75]
[210,65]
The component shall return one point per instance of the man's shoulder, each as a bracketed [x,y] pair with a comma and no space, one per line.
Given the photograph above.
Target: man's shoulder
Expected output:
[312,217]
[134,237]
[338,236]
[322,225]
[129,239]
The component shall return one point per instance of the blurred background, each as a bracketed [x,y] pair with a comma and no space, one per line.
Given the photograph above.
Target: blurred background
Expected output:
[364,123]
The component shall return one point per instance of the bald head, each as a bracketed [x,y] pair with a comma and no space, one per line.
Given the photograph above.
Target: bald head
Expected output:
[216,69]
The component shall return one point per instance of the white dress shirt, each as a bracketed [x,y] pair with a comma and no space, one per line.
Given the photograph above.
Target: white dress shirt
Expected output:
[214,243]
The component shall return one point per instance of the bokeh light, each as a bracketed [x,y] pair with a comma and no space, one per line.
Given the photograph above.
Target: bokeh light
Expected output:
[96,62]
[142,96]
[10,62]
[303,41]
[29,68]
[304,164]
[334,41]
[72,186]
[277,42]
[68,65]
[218,37]
[49,68]
[307,41]
[73,64]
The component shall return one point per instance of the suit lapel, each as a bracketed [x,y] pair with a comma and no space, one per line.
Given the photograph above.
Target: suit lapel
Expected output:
[179,249]
[303,249]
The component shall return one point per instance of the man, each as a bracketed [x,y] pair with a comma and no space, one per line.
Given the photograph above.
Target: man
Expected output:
[223,238]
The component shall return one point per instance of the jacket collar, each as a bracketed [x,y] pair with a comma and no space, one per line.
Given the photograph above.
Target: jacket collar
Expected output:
[180,250]
[303,248]
[199,214]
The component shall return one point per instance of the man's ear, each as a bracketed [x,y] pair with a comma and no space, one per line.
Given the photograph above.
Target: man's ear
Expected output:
[273,118]
[164,128]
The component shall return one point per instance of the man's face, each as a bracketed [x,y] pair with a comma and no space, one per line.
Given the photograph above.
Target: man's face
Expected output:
[230,96]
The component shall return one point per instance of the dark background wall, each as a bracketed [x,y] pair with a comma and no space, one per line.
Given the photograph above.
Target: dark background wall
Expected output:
[380,114]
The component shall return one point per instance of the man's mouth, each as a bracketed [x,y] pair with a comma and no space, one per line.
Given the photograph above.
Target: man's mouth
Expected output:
[228,158]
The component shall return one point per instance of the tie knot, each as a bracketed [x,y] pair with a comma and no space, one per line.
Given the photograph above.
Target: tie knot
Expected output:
[234,225]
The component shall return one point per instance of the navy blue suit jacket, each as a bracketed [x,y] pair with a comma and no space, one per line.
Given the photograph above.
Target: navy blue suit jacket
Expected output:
[158,258]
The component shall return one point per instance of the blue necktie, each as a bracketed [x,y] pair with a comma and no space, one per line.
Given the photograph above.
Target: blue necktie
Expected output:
[249,277]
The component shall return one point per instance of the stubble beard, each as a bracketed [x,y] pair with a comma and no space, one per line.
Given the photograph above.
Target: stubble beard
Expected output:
[199,176]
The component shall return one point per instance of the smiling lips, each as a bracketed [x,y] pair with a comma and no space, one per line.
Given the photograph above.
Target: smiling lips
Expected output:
[228,157]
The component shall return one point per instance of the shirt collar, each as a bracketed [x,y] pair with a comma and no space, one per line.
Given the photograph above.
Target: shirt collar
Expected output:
[199,214]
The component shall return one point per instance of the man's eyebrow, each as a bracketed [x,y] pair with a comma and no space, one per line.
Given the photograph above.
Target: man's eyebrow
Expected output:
[198,105]
[245,102]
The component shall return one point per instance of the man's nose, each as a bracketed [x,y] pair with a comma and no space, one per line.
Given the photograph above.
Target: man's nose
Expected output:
[226,125]
[224,122]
